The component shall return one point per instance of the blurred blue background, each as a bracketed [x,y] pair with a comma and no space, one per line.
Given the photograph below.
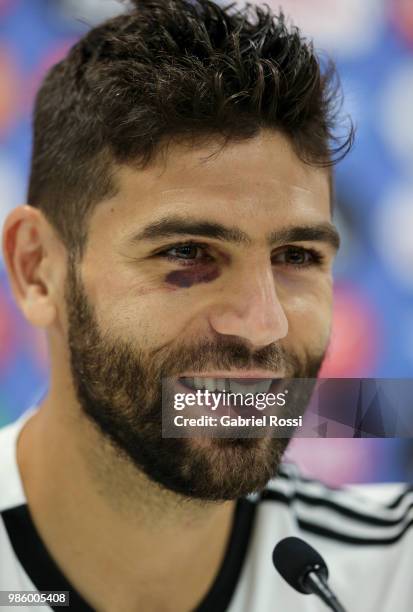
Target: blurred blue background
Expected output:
[372,44]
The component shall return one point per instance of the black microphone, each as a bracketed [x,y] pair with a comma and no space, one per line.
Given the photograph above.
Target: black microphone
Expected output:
[304,569]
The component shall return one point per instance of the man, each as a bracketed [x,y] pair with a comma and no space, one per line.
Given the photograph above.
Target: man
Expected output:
[178,229]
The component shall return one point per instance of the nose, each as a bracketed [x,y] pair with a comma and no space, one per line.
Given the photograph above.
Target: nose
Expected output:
[250,308]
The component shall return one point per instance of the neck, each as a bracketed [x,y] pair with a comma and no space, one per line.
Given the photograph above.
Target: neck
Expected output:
[84,496]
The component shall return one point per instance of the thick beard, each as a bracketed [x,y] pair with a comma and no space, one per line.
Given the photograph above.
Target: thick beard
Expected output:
[119,389]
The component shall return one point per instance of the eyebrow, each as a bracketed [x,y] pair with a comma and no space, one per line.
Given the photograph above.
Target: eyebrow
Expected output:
[171,226]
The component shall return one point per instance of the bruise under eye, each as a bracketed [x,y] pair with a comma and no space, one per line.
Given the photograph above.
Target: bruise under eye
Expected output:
[187,278]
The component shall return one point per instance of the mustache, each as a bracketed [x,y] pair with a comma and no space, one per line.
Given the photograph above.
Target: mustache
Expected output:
[227,354]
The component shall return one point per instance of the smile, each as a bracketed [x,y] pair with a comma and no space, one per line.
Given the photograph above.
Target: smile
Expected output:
[231,385]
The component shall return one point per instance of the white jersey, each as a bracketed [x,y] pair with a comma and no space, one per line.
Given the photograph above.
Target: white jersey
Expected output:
[363,533]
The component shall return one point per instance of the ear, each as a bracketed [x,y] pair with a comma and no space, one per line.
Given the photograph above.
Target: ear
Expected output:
[27,249]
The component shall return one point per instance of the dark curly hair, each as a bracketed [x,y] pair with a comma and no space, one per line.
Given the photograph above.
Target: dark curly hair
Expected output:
[173,69]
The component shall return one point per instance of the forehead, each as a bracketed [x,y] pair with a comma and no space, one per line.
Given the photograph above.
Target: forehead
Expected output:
[246,180]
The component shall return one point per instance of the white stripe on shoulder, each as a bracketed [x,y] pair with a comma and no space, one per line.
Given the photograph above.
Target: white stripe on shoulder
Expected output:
[384,514]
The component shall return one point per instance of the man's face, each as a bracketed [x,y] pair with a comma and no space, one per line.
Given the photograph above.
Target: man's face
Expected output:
[144,305]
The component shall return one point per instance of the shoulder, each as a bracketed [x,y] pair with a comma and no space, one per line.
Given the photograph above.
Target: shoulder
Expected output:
[11,488]
[363,533]
[358,514]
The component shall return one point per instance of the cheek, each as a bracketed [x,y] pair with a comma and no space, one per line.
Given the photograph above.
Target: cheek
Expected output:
[143,307]
[152,316]
[310,315]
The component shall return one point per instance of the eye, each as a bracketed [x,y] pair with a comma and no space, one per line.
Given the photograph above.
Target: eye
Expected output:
[194,253]
[299,257]
[187,253]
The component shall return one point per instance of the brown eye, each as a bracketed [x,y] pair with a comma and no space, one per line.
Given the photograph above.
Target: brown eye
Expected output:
[186,254]
[187,251]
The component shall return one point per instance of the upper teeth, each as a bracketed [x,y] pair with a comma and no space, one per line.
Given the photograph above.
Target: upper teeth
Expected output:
[228,384]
